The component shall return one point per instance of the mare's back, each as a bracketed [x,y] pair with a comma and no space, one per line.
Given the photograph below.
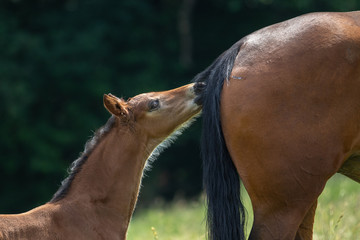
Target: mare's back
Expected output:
[306,38]
[296,77]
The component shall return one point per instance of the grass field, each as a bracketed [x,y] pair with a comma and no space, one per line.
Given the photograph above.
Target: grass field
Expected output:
[337,216]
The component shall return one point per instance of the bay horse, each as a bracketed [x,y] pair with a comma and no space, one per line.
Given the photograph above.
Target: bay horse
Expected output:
[281,109]
[97,199]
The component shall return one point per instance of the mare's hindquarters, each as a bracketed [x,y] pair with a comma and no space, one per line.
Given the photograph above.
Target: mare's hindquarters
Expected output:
[290,117]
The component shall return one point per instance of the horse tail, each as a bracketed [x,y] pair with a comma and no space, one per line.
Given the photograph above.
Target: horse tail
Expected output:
[225,211]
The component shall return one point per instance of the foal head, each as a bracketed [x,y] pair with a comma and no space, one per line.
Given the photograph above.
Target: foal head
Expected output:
[157,114]
[138,126]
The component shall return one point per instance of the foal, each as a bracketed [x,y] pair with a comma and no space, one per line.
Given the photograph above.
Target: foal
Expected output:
[97,200]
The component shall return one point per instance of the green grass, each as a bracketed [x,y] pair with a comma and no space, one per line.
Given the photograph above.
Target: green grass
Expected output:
[338,212]
[337,216]
[178,221]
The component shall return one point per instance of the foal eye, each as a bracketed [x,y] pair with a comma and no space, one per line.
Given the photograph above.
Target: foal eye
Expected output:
[154,104]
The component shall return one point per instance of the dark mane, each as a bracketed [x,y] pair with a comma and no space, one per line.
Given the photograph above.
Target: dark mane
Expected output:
[75,167]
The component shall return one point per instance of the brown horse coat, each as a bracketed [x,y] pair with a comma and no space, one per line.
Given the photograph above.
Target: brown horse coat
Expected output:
[293,119]
[290,116]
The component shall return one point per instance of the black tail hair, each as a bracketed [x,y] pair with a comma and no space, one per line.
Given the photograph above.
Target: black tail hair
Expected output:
[225,212]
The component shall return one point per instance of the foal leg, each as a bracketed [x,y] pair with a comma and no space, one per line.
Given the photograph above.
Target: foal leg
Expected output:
[305,231]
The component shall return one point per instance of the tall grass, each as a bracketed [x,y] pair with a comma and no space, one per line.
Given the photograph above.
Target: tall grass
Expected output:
[337,216]
[338,212]
[177,221]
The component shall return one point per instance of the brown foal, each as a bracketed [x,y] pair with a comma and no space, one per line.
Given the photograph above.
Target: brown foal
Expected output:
[97,200]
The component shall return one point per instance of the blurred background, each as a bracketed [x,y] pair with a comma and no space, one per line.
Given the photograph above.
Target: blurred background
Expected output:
[58,57]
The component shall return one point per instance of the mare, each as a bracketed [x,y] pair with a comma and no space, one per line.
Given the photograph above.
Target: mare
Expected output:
[281,114]
[97,199]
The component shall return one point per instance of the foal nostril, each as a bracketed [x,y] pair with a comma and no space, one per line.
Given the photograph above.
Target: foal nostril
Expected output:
[199,87]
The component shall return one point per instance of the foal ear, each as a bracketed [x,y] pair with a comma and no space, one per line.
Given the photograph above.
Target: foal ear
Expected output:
[115,106]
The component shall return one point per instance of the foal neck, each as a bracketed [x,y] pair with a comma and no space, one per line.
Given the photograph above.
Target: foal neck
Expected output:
[108,183]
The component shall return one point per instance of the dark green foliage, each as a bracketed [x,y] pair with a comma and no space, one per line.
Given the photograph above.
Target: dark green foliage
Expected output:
[57,58]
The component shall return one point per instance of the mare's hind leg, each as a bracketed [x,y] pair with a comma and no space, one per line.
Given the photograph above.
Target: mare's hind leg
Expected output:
[305,231]
[283,222]
[273,226]
[351,168]
[283,196]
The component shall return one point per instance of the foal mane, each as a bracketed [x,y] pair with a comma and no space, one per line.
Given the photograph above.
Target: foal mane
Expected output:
[75,167]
